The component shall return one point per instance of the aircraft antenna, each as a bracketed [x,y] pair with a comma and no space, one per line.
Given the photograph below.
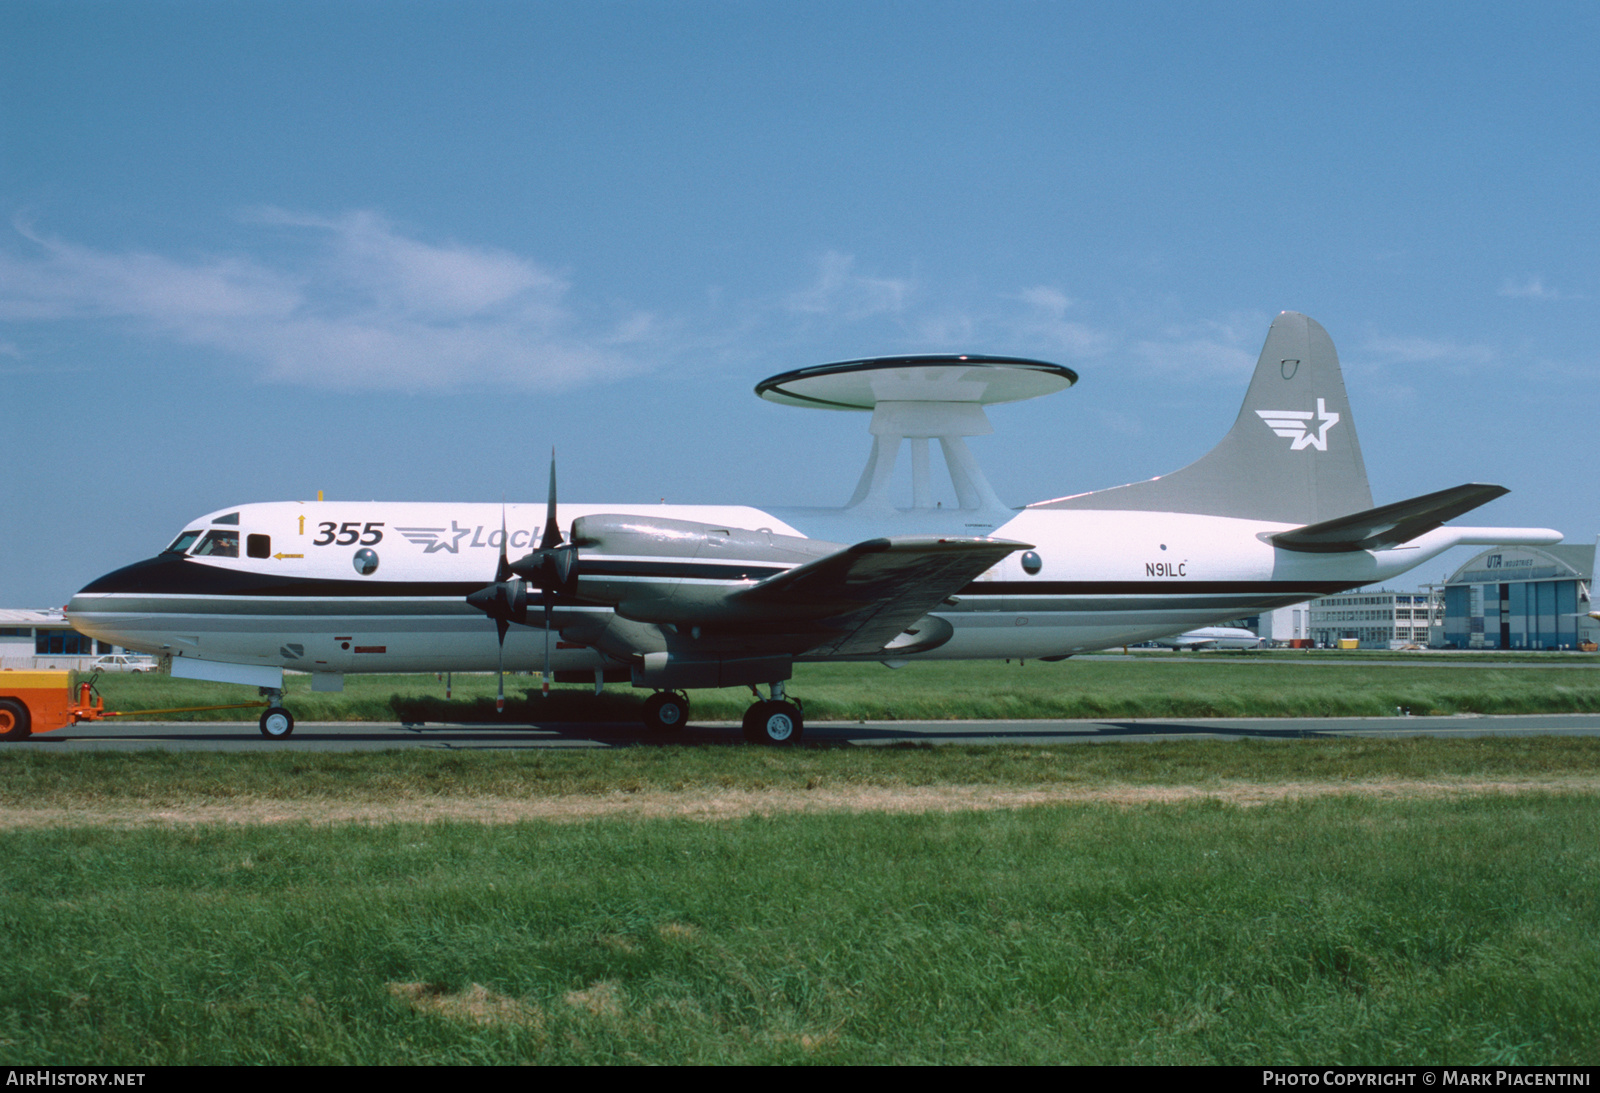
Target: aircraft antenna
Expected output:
[918,399]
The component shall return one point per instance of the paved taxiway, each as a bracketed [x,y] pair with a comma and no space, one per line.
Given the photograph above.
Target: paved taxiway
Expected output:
[377,735]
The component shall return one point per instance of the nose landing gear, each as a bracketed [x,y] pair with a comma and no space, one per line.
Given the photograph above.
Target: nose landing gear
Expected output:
[277,723]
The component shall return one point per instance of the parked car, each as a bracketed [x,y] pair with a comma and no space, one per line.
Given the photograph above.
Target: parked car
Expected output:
[124,662]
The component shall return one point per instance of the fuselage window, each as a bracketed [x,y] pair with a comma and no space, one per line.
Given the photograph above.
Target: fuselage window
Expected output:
[218,544]
[258,546]
[182,542]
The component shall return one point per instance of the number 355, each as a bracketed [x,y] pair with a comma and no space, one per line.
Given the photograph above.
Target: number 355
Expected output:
[349,533]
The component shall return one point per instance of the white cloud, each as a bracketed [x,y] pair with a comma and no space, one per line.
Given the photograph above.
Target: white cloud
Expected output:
[1393,350]
[1051,301]
[1531,288]
[1045,322]
[952,330]
[369,308]
[839,291]
[1207,350]
[893,315]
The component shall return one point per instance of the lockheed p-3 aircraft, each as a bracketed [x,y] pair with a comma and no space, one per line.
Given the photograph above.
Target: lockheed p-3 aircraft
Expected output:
[674,598]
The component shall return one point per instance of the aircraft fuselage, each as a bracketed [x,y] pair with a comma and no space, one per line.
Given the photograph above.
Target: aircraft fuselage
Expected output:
[335,587]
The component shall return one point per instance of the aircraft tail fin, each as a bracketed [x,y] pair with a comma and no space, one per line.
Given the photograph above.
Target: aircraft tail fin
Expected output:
[1291,456]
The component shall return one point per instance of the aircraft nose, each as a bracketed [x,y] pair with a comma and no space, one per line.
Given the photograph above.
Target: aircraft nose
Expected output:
[116,607]
[165,573]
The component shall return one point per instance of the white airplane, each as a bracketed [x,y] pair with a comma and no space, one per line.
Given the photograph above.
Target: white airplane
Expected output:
[673,598]
[1213,637]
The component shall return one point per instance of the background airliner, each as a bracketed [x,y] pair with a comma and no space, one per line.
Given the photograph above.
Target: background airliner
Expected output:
[673,598]
[1213,637]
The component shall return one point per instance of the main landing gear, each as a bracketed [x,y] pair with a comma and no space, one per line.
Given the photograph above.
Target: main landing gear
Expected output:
[277,723]
[666,711]
[776,722]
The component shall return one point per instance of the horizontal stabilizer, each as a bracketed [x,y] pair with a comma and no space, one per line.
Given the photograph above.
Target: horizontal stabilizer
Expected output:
[1388,525]
[873,590]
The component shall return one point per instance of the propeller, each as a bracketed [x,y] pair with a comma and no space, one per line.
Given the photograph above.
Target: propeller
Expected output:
[504,601]
[552,568]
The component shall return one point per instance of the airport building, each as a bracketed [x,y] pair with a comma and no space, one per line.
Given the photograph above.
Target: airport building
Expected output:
[1374,618]
[1521,598]
[32,639]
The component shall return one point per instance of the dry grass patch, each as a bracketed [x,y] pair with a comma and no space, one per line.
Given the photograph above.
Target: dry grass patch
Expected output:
[603,999]
[724,804]
[476,1005]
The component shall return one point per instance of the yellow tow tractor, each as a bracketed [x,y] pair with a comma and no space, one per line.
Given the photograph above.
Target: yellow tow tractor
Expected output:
[42,701]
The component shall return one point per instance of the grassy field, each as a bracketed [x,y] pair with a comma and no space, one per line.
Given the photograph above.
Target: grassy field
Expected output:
[1252,902]
[1411,901]
[1286,685]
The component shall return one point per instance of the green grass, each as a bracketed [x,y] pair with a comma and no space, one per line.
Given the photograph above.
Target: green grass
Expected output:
[1340,930]
[1334,932]
[1293,685]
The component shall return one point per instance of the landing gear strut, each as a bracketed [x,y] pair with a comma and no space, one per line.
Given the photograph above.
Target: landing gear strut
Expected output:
[666,711]
[776,722]
[277,723]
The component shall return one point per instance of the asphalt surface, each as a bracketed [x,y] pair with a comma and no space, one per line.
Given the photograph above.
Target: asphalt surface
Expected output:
[377,735]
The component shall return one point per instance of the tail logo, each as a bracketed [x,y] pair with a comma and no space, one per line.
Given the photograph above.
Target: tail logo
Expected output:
[1295,425]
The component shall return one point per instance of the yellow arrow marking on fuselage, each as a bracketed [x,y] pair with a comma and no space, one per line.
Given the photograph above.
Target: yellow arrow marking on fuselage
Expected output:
[288,555]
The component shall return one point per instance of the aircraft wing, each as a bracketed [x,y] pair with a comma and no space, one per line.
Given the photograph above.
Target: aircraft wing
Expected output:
[864,596]
[1388,525]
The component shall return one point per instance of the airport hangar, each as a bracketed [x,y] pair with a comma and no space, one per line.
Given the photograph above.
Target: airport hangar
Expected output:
[1522,598]
[1533,598]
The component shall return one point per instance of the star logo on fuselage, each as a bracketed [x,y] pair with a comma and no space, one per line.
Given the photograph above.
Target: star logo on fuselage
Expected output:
[434,539]
[1294,424]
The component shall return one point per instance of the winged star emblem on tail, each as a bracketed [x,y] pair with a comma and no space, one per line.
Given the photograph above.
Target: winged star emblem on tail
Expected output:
[1295,425]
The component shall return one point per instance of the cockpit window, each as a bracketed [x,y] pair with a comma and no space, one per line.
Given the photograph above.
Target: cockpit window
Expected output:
[231,518]
[182,542]
[218,544]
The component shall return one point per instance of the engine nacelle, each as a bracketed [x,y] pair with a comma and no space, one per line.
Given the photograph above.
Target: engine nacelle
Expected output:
[658,537]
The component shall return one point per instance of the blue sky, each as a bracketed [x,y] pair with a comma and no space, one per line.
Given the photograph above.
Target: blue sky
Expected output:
[398,251]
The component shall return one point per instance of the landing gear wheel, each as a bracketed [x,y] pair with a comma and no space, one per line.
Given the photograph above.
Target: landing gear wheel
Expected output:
[778,724]
[277,723]
[15,724]
[748,725]
[665,711]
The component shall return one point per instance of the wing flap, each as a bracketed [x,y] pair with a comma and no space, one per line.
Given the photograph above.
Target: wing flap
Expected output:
[865,595]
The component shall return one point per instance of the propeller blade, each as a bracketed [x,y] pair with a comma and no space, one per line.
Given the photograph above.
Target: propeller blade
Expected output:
[504,571]
[553,566]
[500,675]
[552,526]
[547,606]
